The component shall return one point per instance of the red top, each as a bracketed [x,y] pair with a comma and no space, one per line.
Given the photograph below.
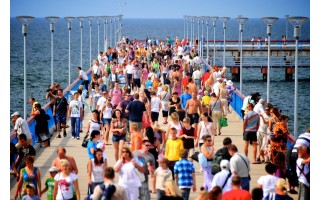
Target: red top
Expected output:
[236,194]
[205,77]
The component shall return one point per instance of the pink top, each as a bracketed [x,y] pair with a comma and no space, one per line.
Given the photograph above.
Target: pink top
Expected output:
[144,74]
[177,88]
[116,96]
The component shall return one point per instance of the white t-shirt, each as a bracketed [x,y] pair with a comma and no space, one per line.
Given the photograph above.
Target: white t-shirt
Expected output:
[220,178]
[129,69]
[94,126]
[268,183]
[216,88]
[75,108]
[127,175]
[258,108]
[178,127]
[21,126]
[205,130]
[107,113]
[155,104]
[102,100]
[83,74]
[95,69]
[300,175]
[263,127]
[196,75]
[65,186]
[162,175]
[245,102]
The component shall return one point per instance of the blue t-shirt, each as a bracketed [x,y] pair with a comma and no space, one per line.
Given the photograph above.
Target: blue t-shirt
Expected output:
[122,80]
[90,145]
[148,84]
[136,109]
[253,119]
[184,98]
[27,197]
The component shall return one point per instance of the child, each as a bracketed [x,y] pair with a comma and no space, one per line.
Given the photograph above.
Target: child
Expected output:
[173,147]
[268,182]
[50,183]
[31,193]
[188,134]
[155,107]
[161,175]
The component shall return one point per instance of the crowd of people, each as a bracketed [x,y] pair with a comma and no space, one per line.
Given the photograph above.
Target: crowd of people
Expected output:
[131,86]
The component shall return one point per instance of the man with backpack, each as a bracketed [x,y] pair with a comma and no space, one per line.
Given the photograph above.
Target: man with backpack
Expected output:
[223,178]
[109,190]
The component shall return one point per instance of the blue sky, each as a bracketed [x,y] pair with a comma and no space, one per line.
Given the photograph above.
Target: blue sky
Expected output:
[161,8]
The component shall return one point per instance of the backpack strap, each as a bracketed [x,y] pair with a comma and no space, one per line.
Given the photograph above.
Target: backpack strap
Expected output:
[225,182]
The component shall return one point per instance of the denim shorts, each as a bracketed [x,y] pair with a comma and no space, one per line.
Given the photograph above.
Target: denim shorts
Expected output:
[61,118]
[116,138]
[106,121]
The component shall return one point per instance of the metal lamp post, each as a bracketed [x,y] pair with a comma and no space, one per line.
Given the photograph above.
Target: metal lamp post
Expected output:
[120,26]
[224,20]
[25,21]
[207,20]
[201,43]
[90,18]
[81,19]
[296,23]
[192,32]
[214,20]
[98,24]
[198,35]
[115,31]
[104,32]
[110,36]
[287,16]
[184,26]
[69,20]
[52,20]
[241,21]
[269,21]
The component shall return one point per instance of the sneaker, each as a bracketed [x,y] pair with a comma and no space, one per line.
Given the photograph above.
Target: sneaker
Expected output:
[59,136]
[72,137]
[78,138]
[64,134]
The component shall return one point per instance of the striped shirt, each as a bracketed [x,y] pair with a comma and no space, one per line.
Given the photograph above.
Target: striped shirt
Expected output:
[184,169]
[253,118]
[303,140]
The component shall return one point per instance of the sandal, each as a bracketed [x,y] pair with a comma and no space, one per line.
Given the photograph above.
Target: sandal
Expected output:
[256,162]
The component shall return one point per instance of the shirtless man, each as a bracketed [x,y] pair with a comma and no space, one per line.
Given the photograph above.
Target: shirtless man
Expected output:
[223,94]
[62,155]
[192,86]
[192,107]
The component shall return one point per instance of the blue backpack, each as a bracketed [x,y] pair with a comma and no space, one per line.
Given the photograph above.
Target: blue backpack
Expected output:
[107,191]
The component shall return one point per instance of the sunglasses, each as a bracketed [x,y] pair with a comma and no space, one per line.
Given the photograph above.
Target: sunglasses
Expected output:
[125,151]
[209,140]
[147,145]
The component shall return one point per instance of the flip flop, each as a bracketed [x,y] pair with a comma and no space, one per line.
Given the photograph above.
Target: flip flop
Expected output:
[256,162]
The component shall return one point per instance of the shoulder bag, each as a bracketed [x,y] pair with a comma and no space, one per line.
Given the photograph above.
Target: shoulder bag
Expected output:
[249,177]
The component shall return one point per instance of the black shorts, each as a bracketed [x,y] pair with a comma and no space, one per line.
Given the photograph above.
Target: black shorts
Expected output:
[154,116]
[136,83]
[165,113]
[250,136]
[194,118]
[129,78]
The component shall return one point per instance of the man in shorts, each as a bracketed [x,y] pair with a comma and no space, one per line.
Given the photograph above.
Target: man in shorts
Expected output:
[251,124]
[192,107]
[60,109]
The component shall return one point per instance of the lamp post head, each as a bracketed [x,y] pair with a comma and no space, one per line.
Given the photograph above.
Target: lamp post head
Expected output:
[224,20]
[90,18]
[214,20]
[25,21]
[241,20]
[269,21]
[297,23]
[81,19]
[52,20]
[69,20]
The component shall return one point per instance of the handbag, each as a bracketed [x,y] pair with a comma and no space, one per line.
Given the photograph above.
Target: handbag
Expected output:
[224,122]
[140,175]
[195,156]
[249,177]
[85,141]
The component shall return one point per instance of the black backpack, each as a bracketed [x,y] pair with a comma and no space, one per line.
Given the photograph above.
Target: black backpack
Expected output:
[215,165]
[107,191]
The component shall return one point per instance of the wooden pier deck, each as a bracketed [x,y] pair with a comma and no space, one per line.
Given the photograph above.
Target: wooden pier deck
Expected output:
[46,155]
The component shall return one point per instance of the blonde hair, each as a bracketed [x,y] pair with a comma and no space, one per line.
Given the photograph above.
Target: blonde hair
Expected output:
[165,87]
[64,162]
[174,115]
[174,190]
[127,148]
[134,126]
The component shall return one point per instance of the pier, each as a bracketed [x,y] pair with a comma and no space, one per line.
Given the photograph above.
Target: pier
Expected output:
[73,147]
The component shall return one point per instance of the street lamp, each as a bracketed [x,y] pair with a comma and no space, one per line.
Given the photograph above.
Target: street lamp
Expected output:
[224,20]
[202,40]
[25,21]
[296,23]
[287,16]
[81,26]
[52,20]
[104,32]
[120,26]
[207,20]
[98,24]
[269,21]
[90,18]
[214,20]
[184,25]
[241,20]
[69,20]
[198,35]
[115,31]
[110,36]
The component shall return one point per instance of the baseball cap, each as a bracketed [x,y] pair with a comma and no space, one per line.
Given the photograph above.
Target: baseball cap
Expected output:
[149,87]
[225,164]
[30,185]
[15,113]
[53,169]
